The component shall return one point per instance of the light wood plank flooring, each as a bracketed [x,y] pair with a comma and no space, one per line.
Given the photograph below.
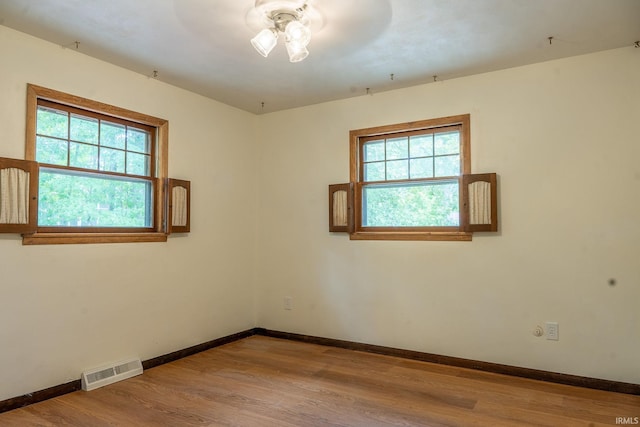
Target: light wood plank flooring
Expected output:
[260,381]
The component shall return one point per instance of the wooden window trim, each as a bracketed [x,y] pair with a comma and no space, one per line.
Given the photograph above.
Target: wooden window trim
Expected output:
[390,233]
[158,232]
[83,238]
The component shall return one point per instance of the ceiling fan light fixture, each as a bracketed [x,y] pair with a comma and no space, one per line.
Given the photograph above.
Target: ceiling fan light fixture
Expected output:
[283,16]
[265,41]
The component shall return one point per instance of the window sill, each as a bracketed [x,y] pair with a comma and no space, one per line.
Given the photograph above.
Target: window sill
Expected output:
[455,236]
[82,238]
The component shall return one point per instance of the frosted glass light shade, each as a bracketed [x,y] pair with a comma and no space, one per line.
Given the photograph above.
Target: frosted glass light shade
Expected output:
[297,33]
[265,41]
[297,52]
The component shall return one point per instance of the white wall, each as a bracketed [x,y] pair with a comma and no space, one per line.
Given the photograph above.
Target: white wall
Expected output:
[563,137]
[66,308]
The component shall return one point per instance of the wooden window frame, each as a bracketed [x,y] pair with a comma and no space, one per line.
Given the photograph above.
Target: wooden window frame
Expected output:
[356,138]
[158,232]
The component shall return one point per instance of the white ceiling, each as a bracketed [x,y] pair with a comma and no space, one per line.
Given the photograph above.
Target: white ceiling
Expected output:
[203,45]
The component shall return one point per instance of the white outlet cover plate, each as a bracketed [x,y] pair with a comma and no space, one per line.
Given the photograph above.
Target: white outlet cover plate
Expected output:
[553,332]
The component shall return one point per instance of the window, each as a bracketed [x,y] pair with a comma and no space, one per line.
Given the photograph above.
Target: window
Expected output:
[412,181]
[95,170]
[101,170]
[92,173]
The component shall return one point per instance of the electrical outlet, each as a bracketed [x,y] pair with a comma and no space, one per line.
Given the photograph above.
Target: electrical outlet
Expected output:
[553,331]
[288,303]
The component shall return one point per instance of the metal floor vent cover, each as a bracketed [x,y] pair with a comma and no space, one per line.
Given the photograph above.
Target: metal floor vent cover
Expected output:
[110,374]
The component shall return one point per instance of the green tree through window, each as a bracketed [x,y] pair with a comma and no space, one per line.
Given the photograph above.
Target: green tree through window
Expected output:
[95,169]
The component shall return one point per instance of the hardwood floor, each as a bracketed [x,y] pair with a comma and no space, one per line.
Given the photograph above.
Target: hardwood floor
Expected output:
[262,381]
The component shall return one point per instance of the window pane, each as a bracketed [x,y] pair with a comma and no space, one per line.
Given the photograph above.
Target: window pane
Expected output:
[421,168]
[138,140]
[112,135]
[137,164]
[373,151]
[414,205]
[421,146]
[447,143]
[84,200]
[83,156]
[398,169]
[52,151]
[397,148]
[52,122]
[447,166]
[111,160]
[84,129]
[374,171]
